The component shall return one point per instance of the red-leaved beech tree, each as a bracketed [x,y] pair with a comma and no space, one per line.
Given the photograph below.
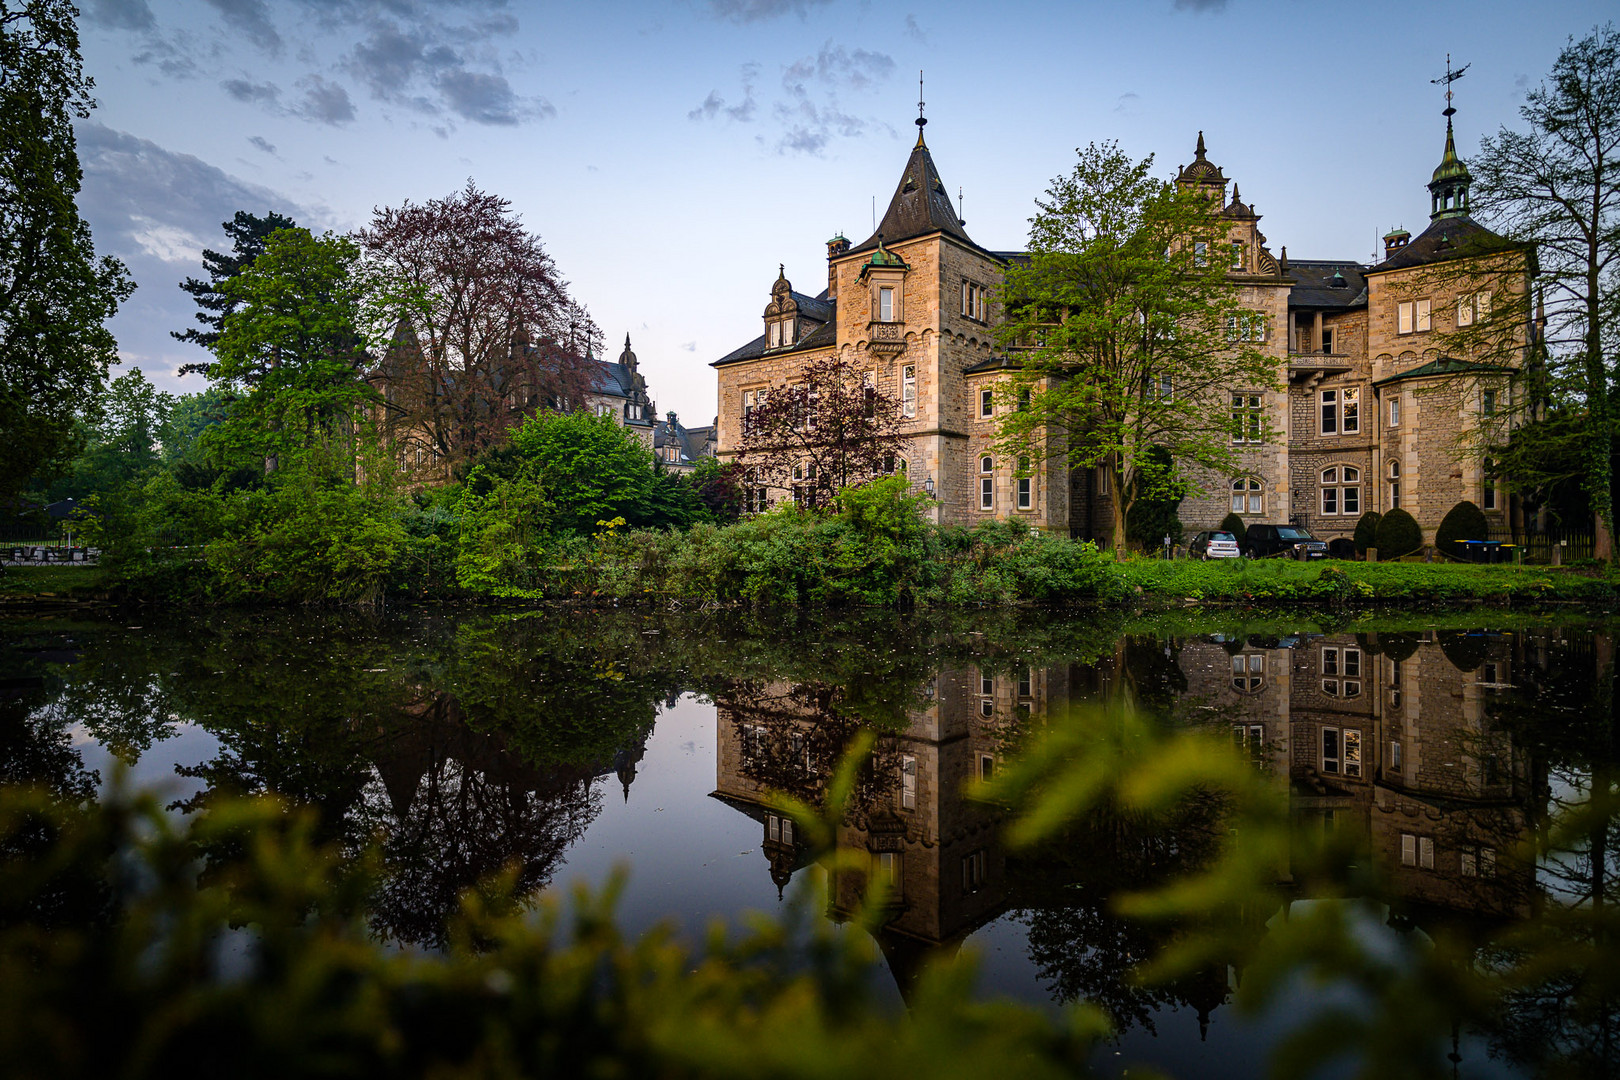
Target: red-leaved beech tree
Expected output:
[493,334]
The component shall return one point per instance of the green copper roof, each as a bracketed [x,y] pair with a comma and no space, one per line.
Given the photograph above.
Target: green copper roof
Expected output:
[1451,166]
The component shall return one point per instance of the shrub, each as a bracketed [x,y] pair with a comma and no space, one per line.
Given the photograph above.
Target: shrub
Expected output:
[1235,525]
[1366,534]
[1465,521]
[1398,534]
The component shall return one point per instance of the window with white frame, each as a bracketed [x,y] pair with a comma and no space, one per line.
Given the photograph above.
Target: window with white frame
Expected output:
[987,484]
[1395,409]
[773,336]
[908,782]
[753,401]
[1026,495]
[1352,752]
[1248,496]
[1350,411]
[1472,308]
[1331,756]
[987,402]
[1237,255]
[885,304]
[1341,491]
[1247,328]
[1477,861]
[1023,399]
[1249,672]
[1395,755]
[1394,472]
[1250,739]
[1487,402]
[908,390]
[1417,851]
[1330,412]
[1025,682]
[1161,389]
[1200,253]
[779,828]
[1412,316]
[1248,420]
[987,767]
[888,875]
[975,305]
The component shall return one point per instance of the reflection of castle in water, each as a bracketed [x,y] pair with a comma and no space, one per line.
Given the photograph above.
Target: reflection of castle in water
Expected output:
[1389,742]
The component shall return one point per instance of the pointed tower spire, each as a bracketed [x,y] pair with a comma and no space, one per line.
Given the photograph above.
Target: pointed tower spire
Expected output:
[920,204]
[1448,187]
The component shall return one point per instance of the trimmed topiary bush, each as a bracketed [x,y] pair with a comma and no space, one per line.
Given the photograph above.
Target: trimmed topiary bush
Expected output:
[1397,534]
[1465,521]
[1233,524]
[1366,534]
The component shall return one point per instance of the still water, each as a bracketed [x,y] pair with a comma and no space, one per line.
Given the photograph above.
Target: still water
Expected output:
[574,744]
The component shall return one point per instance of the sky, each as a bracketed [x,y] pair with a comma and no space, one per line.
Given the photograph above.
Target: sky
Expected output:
[671,153]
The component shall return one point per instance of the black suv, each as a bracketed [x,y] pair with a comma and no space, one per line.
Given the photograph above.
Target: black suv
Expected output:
[1265,541]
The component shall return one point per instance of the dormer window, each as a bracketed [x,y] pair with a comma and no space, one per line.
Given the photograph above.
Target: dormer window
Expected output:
[773,336]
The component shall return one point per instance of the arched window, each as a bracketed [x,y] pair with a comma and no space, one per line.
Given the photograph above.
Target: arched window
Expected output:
[1341,490]
[1394,471]
[1248,496]
[987,483]
[1248,672]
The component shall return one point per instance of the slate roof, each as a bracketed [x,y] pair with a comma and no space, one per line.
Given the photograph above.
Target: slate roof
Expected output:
[1447,238]
[920,205]
[815,309]
[694,443]
[1446,365]
[1317,284]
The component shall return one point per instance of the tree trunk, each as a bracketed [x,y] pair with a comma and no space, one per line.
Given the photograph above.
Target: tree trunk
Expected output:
[1602,539]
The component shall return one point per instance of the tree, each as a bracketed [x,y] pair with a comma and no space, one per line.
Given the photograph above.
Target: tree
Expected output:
[1125,341]
[495,336]
[1557,185]
[247,233]
[829,430]
[123,443]
[1398,534]
[591,468]
[295,346]
[55,295]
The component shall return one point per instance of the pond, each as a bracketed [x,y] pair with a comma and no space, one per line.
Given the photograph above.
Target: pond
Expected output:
[570,744]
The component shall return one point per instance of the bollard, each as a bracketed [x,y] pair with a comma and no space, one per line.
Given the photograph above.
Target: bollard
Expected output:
[1372,554]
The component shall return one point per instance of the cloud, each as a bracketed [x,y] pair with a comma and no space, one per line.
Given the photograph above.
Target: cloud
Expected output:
[119,14]
[265,93]
[747,11]
[914,31]
[714,106]
[252,19]
[811,114]
[487,99]
[323,101]
[1214,7]
[174,55]
[263,144]
[1126,104]
[689,346]
[156,210]
[837,67]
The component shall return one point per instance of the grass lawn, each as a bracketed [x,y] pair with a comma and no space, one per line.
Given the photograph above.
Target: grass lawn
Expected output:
[1332,579]
[63,580]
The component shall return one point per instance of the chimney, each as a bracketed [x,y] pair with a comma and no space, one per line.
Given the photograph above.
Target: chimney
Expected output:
[1394,240]
[835,247]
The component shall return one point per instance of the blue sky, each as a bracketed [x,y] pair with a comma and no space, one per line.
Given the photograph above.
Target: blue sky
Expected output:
[671,154]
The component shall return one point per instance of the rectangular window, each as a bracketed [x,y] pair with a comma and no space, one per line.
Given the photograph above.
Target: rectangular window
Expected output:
[1352,752]
[773,824]
[908,390]
[1330,412]
[987,686]
[1330,660]
[1421,314]
[1023,399]
[888,875]
[1352,411]
[1465,312]
[908,782]
[974,304]
[974,871]
[1200,253]
[1105,480]
[987,493]
[1330,500]
[1352,501]
[1487,402]
[1237,255]
[987,766]
[1395,411]
[1395,755]
[1231,328]
[1247,420]
[1330,750]
[885,305]
[1426,852]
[987,403]
[773,335]
[1408,849]
[1403,317]
[1025,500]
[1023,682]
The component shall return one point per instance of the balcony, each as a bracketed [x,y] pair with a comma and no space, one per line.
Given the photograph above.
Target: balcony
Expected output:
[1313,366]
[886,338]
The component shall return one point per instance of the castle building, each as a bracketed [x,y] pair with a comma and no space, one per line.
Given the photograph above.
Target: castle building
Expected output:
[1382,395]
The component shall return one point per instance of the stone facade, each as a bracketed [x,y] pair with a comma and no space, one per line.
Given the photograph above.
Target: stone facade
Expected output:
[1332,448]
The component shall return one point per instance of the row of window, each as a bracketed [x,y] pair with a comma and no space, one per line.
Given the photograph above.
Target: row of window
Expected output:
[1415,316]
[1472,860]
[1341,491]
[1201,254]
[1024,490]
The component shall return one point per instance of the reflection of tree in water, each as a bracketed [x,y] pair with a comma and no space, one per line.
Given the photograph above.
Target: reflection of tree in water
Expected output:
[456,808]
[1064,893]
[36,744]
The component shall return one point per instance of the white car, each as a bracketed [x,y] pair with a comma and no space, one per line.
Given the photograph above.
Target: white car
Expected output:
[1213,545]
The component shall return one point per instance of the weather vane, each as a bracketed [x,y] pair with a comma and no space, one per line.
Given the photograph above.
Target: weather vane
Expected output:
[921,119]
[1447,79]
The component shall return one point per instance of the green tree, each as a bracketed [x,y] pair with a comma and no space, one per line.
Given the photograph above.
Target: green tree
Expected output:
[591,468]
[123,442]
[1125,342]
[55,295]
[295,348]
[247,233]
[1556,184]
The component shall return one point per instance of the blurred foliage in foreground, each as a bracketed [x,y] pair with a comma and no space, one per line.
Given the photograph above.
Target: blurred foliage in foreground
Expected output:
[136,944]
